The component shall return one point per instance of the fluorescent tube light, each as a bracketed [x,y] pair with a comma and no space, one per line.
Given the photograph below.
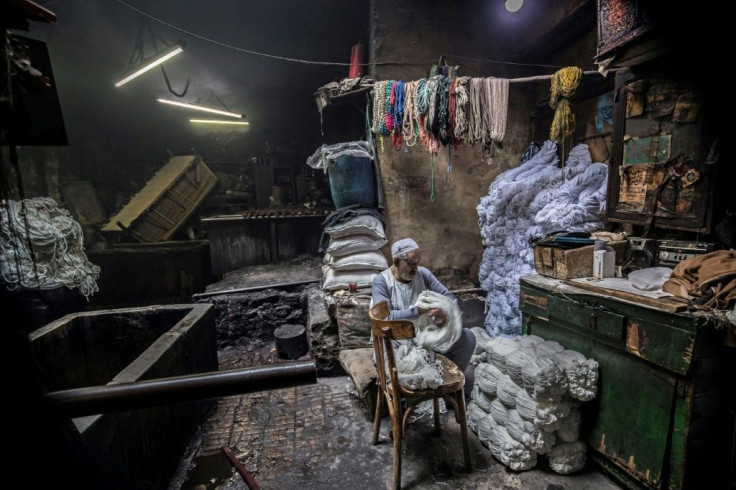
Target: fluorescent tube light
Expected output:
[201,108]
[218,121]
[160,58]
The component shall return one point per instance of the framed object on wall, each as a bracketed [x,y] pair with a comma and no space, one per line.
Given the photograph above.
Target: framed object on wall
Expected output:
[619,23]
[663,157]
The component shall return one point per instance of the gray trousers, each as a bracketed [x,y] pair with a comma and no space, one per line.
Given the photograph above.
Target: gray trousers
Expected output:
[462,350]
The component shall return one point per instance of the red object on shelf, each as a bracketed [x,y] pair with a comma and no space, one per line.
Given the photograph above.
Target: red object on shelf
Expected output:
[356,61]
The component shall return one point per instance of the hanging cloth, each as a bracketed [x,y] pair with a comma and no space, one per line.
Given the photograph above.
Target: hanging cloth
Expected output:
[564,83]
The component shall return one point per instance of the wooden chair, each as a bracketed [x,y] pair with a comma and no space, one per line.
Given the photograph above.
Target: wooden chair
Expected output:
[393,393]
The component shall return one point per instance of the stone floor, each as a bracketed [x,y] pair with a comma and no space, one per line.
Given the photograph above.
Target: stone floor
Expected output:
[319,436]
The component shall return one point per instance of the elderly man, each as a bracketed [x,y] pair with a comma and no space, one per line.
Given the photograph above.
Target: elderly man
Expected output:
[401,285]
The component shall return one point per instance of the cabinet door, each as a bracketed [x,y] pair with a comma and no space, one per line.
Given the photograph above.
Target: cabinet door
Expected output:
[628,421]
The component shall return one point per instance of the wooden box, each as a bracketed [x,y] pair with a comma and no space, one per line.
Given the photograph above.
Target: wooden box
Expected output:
[165,203]
[564,263]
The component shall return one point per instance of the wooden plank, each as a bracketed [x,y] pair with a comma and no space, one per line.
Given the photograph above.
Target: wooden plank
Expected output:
[662,303]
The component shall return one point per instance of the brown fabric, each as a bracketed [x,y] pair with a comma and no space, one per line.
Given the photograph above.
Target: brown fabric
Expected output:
[358,363]
[708,279]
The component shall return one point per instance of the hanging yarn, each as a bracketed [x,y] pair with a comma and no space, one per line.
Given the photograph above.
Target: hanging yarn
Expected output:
[409,131]
[42,247]
[564,83]
[461,108]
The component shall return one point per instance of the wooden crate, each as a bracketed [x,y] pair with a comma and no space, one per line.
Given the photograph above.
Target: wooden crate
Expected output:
[165,203]
[570,263]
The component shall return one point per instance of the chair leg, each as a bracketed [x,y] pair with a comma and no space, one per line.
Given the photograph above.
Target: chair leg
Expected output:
[436,416]
[377,416]
[464,429]
[396,424]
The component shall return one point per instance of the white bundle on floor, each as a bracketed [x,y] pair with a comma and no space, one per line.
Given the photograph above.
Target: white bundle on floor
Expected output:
[569,427]
[546,415]
[581,372]
[475,414]
[515,362]
[485,428]
[498,411]
[498,348]
[544,380]
[567,457]
[527,433]
[481,339]
[483,400]
[415,369]
[509,451]
[486,377]
[528,340]
[506,390]
[548,347]
[528,202]
[439,338]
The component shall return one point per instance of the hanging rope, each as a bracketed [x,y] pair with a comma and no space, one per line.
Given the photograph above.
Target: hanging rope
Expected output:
[562,88]
[408,124]
[46,253]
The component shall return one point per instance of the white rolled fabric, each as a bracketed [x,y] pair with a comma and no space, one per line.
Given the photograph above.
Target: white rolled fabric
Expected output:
[498,348]
[434,337]
[475,414]
[569,427]
[485,428]
[509,451]
[480,398]
[546,415]
[498,411]
[581,373]
[516,360]
[506,391]
[527,433]
[567,457]
[486,377]
[544,380]
[548,347]
[481,339]
[528,340]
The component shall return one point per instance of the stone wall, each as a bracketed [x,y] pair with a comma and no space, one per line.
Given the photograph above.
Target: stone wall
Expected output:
[446,228]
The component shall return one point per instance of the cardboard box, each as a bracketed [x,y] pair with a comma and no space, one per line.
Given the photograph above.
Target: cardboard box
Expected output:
[572,263]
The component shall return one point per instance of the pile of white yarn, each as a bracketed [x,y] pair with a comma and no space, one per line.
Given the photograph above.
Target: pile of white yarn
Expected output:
[526,402]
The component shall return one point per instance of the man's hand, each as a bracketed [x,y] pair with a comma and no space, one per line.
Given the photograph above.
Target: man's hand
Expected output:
[438,316]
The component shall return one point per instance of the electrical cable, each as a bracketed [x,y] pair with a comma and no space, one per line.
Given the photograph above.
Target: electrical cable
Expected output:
[312,62]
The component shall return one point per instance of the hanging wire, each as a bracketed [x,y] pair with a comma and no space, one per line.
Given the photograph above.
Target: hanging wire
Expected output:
[312,62]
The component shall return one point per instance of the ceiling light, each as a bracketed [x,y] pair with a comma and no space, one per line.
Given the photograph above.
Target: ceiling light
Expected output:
[218,121]
[514,5]
[157,60]
[201,108]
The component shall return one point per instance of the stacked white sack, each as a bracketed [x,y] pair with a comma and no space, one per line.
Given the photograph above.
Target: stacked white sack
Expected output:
[353,255]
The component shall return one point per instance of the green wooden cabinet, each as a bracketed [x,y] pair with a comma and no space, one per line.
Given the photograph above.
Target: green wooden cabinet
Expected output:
[664,414]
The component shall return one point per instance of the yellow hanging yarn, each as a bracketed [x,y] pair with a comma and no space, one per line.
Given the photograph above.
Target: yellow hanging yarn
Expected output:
[564,84]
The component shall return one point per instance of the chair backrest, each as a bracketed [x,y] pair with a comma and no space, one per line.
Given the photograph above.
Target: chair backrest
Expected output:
[384,333]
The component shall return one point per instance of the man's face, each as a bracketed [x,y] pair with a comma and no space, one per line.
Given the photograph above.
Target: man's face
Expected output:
[407,269]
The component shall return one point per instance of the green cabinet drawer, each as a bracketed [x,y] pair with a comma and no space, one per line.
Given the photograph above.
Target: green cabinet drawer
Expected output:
[666,340]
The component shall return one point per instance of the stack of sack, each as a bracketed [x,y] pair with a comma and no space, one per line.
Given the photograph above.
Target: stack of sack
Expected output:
[526,402]
[353,255]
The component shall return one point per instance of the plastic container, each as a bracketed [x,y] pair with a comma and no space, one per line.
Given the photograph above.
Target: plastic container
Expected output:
[352,181]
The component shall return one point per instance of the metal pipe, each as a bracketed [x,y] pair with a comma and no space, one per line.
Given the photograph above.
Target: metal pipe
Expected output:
[247,477]
[93,400]
[253,288]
